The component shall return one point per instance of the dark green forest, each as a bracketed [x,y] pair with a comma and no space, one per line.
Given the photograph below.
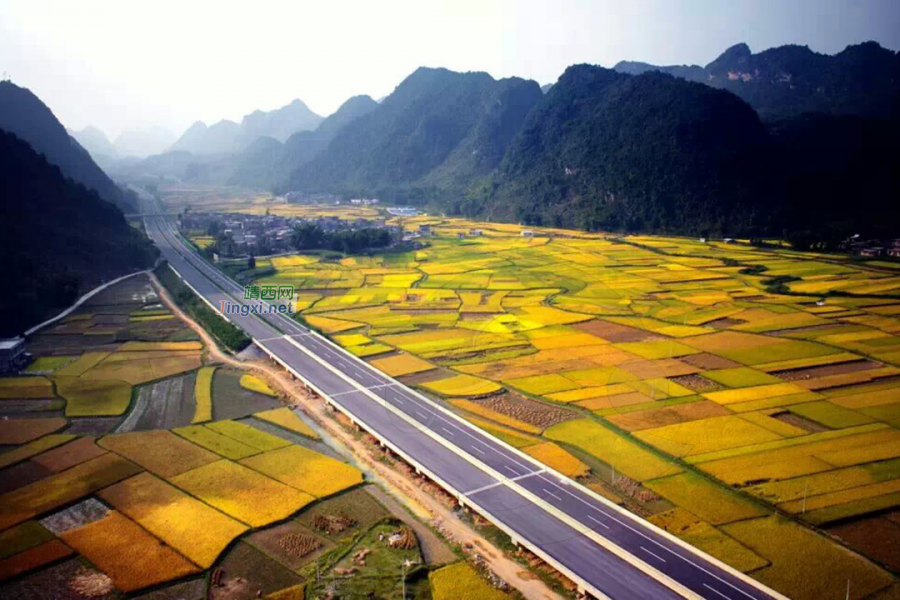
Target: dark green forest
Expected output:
[57,238]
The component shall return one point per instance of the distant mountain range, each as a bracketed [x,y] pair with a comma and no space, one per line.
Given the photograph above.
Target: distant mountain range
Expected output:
[436,132]
[725,149]
[23,113]
[788,81]
[133,143]
[602,149]
[57,237]
[227,137]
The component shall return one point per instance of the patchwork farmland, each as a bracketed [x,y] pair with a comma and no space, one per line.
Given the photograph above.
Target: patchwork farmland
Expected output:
[133,464]
[745,399]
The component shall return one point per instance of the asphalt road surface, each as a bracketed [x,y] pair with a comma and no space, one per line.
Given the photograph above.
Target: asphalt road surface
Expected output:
[544,511]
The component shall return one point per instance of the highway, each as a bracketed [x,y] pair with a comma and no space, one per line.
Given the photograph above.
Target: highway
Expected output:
[606,550]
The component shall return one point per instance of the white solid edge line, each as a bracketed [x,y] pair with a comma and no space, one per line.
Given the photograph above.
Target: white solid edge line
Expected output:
[468,501]
[623,554]
[639,522]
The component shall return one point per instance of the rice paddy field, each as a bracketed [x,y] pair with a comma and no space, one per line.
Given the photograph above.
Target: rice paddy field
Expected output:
[725,391]
[129,462]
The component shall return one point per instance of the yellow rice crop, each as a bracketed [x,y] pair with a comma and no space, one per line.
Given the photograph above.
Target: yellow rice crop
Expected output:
[712,503]
[80,366]
[556,458]
[760,392]
[242,493]
[193,528]
[462,385]
[255,384]
[249,435]
[539,385]
[797,556]
[401,364]
[91,398]
[132,558]
[60,489]
[160,452]
[305,470]
[215,442]
[141,346]
[203,395]
[26,387]
[707,435]
[626,456]
[707,538]
[284,417]
[460,581]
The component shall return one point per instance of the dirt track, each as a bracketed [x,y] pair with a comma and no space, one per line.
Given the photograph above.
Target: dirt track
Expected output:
[423,504]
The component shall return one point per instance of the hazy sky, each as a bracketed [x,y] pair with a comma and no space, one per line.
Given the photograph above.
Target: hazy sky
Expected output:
[132,64]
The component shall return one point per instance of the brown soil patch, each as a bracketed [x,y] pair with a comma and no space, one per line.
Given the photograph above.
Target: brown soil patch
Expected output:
[290,544]
[708,362]
[827,370]
[798,421]
[613,331]
[246,574]
[670,415]
[69,455]
[876,537]
[696,383]
[724,323]
[527,410]
[12,478]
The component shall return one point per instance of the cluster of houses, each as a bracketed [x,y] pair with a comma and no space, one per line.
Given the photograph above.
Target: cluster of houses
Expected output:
[266,234]
[872,248]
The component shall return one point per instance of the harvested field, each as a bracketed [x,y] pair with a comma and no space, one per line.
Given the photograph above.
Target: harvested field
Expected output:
[60,582]
[344,514]
[875,537]
[60,489]
[20,475]
[668,415]
[162,405]
[31,559]
[290,544]
[30,449]
[76,516]
[69,455]
[247,573]
[528,411]
[233,401]
[478,409]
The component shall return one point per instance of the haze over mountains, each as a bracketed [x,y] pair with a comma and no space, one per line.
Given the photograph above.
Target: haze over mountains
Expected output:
[226,137]
[669,149]
[23,113]
[786,143]
[57,237]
